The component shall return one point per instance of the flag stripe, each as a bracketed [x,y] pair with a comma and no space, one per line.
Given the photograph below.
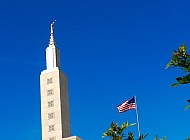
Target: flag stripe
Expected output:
[127,105]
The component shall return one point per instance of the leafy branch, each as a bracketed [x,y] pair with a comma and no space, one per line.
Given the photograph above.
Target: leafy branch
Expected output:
[181,59]
[116,132]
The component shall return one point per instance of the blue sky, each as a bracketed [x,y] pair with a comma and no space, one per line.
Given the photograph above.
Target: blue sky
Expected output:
[110,51]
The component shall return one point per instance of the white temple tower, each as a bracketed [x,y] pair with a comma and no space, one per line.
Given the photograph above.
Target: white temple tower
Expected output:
[55,113]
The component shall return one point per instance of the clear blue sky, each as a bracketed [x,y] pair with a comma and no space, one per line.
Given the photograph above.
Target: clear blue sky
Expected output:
[110,51]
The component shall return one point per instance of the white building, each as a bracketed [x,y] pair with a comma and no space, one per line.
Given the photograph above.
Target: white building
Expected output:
[55,112]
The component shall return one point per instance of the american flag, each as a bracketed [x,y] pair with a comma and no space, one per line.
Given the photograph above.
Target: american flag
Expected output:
[127,105]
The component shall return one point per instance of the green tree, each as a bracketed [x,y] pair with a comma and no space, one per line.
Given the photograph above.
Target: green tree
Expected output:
[181,59]
[130,136]
[159,139]
[142,137]
[116,132]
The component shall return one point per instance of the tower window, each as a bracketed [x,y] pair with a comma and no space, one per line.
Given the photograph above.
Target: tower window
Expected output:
[53,138]
[49,80]
[51,128]
[50,104]
[51,115]
[49,92]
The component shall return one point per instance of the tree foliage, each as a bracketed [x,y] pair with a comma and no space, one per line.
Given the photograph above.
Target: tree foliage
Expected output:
[130,136]
[116,132]
[142,137]
[160,138]
[181,59]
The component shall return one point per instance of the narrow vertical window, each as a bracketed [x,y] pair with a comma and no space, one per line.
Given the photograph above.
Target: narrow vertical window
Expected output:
[53,138]
[49,92]
[49,80]
[51,115]
[51,128]
[50,104]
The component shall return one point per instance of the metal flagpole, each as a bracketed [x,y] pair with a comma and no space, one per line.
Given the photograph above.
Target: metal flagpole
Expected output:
[137,118]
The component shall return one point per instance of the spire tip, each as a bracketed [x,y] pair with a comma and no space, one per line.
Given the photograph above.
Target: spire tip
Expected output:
[53,22]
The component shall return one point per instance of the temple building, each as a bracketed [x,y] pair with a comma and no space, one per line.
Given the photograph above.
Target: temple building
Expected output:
[55,111]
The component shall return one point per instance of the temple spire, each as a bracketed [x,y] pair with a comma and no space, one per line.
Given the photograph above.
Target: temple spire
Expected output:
[52,52]
[55,111]
[52,40]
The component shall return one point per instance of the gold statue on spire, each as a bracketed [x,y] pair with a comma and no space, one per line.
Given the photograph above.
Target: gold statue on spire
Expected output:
[52,40]
[52,27]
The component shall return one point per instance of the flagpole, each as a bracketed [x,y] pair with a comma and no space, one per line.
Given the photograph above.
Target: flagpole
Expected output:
[137,118]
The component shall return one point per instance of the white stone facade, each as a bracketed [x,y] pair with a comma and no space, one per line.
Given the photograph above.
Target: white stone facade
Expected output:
[55,113]
[52,57]
[54,105]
